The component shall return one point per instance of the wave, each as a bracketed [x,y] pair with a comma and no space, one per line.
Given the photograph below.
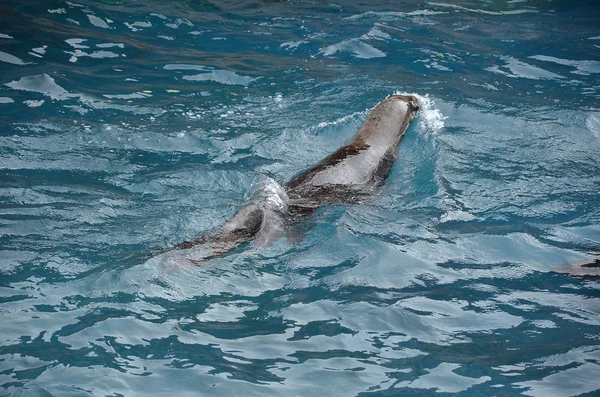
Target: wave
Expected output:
[431,119]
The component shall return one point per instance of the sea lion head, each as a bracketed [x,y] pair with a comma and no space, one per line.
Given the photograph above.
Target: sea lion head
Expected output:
[411,100]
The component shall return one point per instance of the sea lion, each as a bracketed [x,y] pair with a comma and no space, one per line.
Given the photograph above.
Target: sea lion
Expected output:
[354,171]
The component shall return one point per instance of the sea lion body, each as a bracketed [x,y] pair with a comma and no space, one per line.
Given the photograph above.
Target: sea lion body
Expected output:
[349,174]
[361,165]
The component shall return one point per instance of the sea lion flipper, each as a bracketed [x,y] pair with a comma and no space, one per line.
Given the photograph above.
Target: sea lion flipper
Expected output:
[586,268]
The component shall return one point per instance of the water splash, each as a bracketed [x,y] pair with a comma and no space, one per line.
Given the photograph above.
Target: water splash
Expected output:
[267,194]
[343,119]
[272,199]
[431,119]
[593,124]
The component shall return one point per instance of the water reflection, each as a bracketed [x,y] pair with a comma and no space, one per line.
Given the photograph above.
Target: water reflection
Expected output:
[128,128]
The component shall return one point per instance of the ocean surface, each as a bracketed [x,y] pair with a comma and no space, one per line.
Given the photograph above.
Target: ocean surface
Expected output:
[129,126]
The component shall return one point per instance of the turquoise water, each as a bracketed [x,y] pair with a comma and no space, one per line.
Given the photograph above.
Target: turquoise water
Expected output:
[131,126]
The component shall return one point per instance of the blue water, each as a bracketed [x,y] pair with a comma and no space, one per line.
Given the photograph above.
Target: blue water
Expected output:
[128,127]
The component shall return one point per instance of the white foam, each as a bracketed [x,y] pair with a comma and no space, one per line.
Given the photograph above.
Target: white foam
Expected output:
[431,119]
[267,194]
[271,198]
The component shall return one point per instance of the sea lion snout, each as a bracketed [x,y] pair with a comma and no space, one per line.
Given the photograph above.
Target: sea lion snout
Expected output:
[414,104]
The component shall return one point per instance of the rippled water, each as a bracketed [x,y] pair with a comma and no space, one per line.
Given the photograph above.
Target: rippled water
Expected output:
[131,126]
